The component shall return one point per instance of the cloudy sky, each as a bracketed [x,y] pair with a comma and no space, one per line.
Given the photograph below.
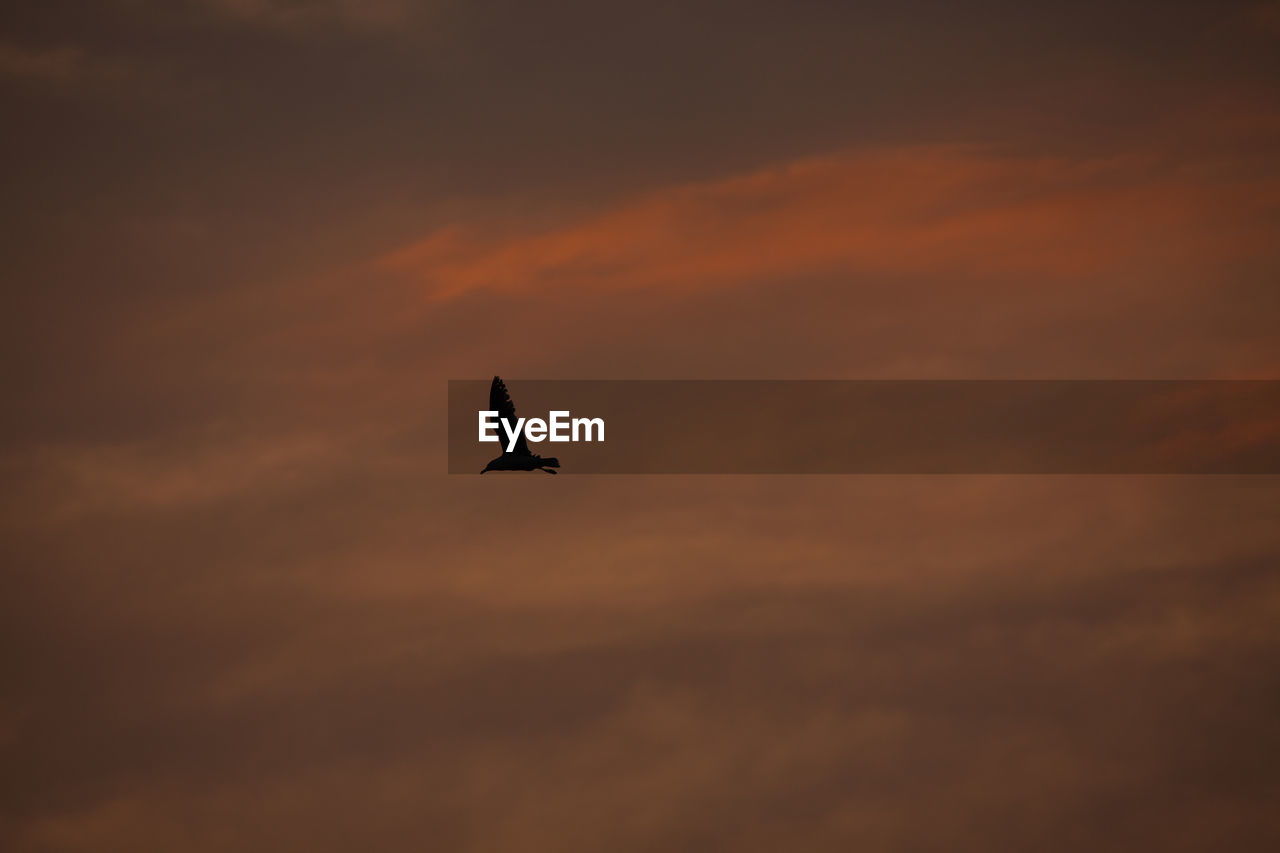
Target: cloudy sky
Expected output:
[245,243]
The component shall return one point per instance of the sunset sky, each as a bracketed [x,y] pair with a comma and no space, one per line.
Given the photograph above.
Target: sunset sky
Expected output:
[246,243]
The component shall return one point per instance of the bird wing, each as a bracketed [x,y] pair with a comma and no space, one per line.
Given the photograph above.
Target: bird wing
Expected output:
[500,402]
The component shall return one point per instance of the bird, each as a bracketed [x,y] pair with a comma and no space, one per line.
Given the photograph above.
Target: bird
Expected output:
[519,458]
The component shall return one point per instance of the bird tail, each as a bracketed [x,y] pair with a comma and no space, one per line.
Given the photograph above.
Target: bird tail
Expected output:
[551,462]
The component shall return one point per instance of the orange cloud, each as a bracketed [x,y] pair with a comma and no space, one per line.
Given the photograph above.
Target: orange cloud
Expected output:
[921,209]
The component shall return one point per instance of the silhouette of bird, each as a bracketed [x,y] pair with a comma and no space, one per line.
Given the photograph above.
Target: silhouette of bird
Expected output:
[519,459]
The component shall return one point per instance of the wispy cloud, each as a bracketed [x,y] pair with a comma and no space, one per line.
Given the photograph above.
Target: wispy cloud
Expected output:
[60,65]
[905,210]
[50,63]
[294,14]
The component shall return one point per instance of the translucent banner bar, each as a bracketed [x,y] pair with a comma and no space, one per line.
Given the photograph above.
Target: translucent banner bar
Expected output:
[867,427]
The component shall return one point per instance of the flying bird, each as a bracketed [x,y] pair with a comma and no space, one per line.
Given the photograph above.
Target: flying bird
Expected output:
[519,458]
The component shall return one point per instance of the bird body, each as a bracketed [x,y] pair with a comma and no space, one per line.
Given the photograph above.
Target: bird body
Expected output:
[516,462]
[518,458]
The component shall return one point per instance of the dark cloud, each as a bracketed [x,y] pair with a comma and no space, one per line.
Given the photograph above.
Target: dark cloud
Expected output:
[245,608]
[1051,688]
